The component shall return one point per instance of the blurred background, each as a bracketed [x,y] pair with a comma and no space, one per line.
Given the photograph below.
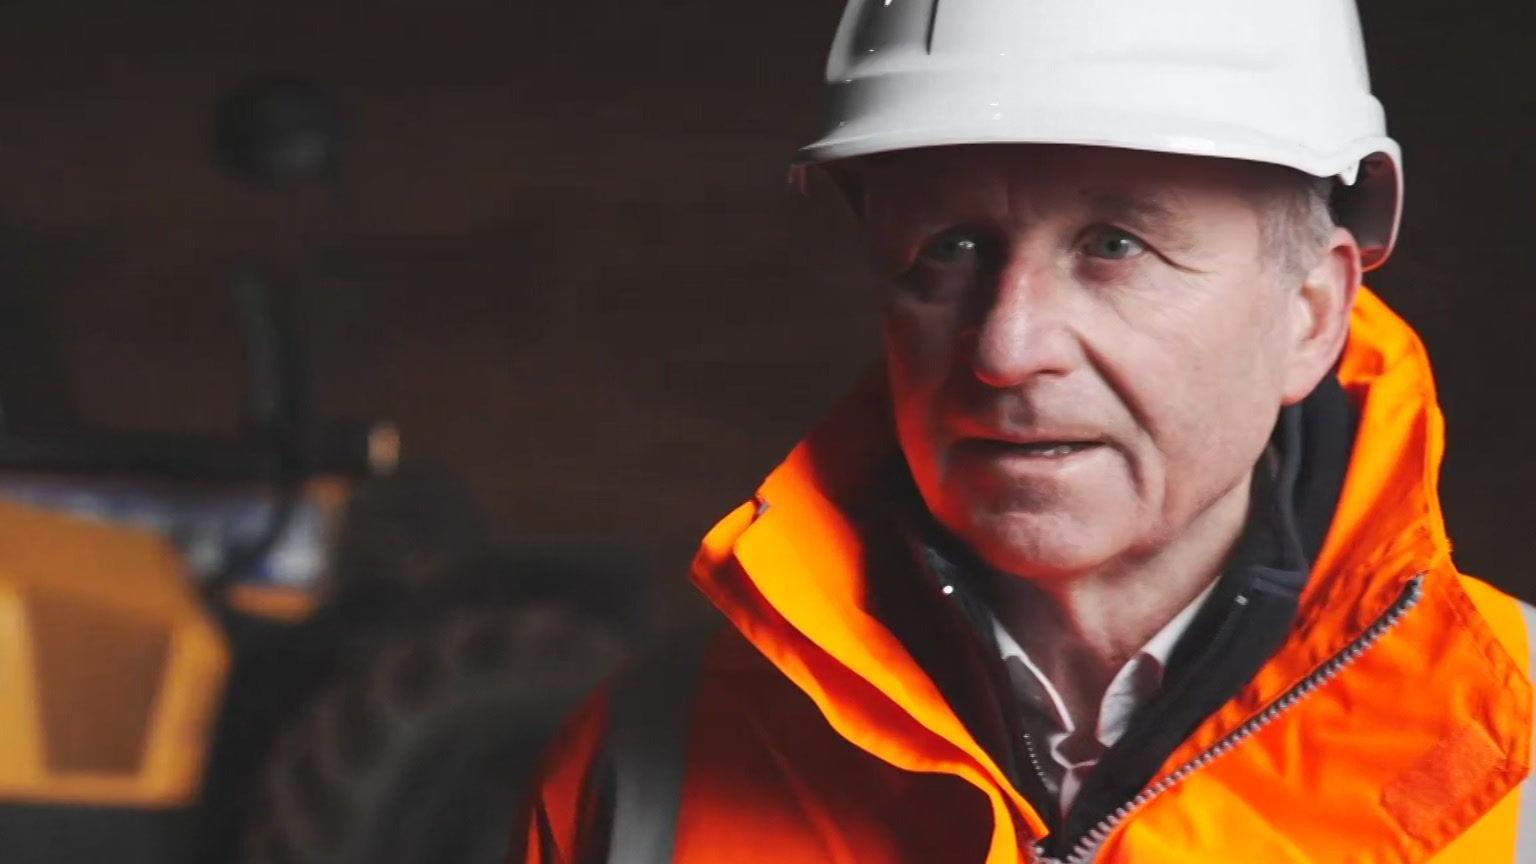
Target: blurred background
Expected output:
[429,339]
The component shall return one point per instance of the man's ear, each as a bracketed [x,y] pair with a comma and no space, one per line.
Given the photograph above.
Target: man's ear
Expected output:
[848,184]
[1320,311]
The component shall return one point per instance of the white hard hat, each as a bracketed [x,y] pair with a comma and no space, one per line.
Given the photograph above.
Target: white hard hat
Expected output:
[1278,81]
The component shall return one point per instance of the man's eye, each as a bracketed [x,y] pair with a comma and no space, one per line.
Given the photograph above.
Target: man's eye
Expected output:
[951,249]
[1113,245]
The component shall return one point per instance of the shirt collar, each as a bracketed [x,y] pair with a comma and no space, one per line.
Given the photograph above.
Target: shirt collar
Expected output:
[1131,687]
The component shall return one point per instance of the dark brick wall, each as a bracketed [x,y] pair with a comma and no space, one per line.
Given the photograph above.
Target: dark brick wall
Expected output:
[561,253]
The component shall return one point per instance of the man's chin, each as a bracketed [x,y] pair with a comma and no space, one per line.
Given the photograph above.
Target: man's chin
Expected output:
[1035,545]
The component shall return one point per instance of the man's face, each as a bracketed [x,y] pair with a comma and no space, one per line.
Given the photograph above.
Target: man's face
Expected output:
[1087,348]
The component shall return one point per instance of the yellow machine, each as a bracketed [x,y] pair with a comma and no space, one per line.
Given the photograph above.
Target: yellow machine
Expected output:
[112,669]
[110,676]
[145,721]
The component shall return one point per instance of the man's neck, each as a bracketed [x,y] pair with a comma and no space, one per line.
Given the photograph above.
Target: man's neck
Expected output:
[1081,629]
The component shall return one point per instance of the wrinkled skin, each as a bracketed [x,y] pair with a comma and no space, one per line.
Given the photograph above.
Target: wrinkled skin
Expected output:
[1124,303]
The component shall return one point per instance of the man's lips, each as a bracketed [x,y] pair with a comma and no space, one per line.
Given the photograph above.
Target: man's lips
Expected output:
[1049,447]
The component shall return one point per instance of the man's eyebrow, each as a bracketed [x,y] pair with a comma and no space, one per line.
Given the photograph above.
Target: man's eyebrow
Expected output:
[1142,209]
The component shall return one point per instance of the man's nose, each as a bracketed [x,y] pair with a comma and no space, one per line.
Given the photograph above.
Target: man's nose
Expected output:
[1022,330]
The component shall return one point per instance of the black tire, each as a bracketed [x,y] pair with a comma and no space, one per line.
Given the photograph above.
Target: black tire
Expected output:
[422,756]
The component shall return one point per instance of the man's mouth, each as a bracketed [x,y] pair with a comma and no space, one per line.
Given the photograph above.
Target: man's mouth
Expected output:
[1048,449]
[1052,449]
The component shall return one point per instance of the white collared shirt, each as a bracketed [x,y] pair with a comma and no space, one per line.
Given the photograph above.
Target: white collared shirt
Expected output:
[1073,753]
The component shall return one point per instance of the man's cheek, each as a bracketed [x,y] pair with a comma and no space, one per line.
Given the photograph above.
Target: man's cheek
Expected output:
[918,343]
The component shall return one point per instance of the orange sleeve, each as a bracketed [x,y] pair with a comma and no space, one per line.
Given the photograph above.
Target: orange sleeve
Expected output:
[564,806]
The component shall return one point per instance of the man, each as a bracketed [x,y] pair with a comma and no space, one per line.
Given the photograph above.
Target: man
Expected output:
[1131,550]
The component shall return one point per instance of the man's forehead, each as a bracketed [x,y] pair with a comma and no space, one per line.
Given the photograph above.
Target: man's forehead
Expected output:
[1144,185]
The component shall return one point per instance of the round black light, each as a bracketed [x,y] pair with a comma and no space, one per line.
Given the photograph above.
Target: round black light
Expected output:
[278,131]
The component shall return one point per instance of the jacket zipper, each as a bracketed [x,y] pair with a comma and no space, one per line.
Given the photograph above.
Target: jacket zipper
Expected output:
[1034,761]
[1087,846]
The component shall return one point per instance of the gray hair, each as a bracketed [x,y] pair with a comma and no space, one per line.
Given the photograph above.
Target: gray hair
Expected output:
[1300,222]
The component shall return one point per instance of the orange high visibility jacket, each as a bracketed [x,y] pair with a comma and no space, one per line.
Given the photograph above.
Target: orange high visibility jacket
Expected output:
[1394,723]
